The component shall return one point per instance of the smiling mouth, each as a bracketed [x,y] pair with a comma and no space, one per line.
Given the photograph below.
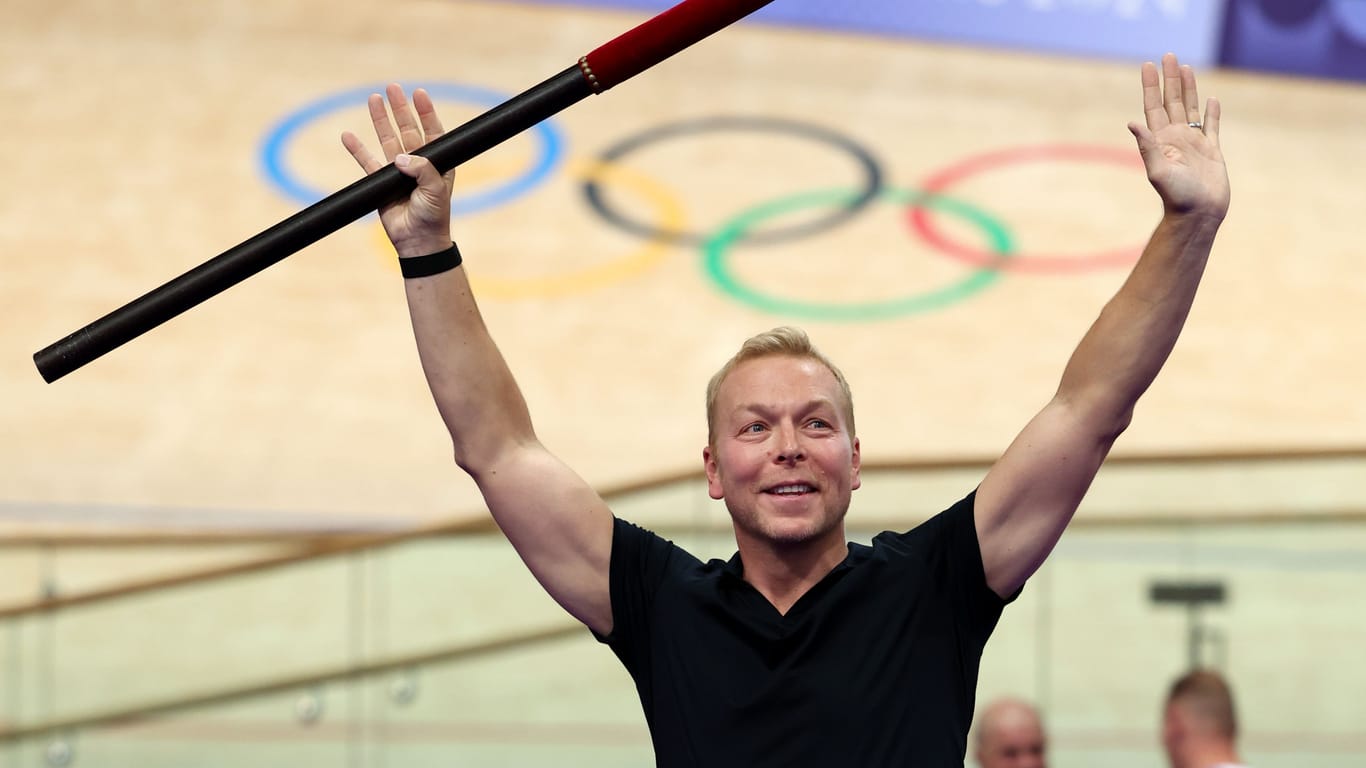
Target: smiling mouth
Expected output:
[791,489]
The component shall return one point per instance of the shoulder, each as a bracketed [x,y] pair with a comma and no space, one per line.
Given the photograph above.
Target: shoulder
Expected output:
[952,525]
[636,548]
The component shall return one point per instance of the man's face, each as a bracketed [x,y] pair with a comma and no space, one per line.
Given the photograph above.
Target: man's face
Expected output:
[782,457]
[1015,742]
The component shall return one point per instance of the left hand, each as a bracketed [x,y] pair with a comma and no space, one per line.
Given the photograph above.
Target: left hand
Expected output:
[1184,163]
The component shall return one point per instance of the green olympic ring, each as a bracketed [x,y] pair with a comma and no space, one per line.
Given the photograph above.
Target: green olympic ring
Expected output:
[716,248]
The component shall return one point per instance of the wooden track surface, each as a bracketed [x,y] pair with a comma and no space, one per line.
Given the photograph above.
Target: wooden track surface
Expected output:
[134,133]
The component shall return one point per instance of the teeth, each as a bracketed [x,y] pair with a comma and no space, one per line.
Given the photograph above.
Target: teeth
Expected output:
[789,489]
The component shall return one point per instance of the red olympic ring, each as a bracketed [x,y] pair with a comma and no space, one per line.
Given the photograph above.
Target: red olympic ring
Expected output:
[921,222]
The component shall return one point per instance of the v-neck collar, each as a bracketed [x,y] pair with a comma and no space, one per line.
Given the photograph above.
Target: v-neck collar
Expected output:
[735,569]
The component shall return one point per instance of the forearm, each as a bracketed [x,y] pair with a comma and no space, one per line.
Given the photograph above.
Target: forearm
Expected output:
[1124,349]
[475,393]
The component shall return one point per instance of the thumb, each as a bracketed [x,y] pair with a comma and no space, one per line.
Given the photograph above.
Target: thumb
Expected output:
[419,168]
[1143,135]
[432,187]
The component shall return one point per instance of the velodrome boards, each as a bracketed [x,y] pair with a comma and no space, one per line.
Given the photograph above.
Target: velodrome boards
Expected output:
[774,174]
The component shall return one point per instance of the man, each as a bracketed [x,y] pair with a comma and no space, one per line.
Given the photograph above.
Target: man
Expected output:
[803,649]
[1010,735]
[1199,724]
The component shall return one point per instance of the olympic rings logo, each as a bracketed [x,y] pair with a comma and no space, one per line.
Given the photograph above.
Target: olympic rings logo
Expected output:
[668,231]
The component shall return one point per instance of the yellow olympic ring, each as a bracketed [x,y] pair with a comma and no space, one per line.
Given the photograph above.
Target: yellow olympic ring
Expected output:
[667,209]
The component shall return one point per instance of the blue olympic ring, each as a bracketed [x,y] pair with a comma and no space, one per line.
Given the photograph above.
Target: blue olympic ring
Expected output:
[277,140]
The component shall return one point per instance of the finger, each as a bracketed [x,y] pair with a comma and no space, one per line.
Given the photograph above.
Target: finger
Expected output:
[1153,110]
[384,127]
[426,113]
[1189,96]
[431,122]
[356,147]
[1171,79]
[409,134]
[1212,118]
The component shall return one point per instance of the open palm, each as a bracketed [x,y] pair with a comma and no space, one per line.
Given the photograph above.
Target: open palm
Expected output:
[1180,148]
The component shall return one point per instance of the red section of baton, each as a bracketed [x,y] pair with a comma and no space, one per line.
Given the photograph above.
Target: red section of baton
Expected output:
[661,37]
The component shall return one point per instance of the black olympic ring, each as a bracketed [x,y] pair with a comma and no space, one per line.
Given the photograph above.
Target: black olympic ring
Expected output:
[866,194]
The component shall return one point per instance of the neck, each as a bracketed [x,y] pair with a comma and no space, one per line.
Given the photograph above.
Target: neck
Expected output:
[783,573]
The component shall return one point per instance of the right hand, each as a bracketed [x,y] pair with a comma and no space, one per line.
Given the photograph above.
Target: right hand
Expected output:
[421,224]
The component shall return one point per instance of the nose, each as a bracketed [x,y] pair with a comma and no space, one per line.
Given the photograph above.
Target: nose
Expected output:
[789,447]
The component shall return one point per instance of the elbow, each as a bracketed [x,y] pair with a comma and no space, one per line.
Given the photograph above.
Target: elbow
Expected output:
[1118,421]
[1105,418]
[463,461]
[1107,433]
[482,459]
[475,463]
[481,437]
[1106,438]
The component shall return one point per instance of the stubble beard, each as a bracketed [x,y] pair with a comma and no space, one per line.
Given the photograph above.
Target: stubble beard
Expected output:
[777,532]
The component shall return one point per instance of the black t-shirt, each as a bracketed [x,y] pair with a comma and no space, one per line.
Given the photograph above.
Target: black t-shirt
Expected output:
[875,666]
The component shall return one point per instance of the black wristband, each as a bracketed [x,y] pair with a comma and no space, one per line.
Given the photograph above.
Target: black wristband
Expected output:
[431,264]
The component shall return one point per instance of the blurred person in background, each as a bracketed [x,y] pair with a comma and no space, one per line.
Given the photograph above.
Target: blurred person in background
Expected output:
[1010,734]
[1199,722]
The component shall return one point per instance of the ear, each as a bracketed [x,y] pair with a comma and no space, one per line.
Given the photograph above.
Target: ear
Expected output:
[713,473]
[1172,729]
[855,481]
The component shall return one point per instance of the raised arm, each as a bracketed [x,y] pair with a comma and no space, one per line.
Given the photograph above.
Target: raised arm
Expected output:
[1030,495]
[558,524]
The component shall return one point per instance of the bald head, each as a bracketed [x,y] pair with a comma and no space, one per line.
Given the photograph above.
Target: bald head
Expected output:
[1204,697]
[1199,723]
[1010,735]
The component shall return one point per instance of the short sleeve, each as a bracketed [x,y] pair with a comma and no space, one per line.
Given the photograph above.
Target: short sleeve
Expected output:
[979,606]
[641,562]
[942,554]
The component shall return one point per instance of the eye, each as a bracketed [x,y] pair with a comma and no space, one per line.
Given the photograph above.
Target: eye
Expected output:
[819,424]
[753,429]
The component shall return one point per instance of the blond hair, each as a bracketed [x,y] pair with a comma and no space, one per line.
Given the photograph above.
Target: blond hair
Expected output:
[784,341]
